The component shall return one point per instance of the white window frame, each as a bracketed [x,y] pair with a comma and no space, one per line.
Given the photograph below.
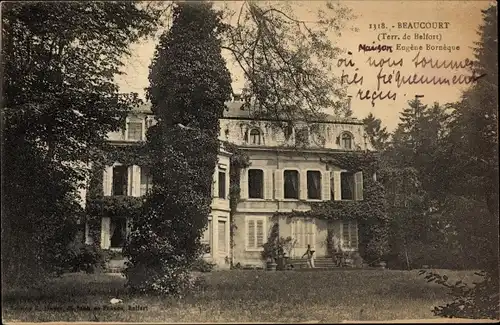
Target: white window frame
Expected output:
[283,184]
[127,129]
[350,223]
[222,168]
[264,229]
[117,164]
[320,185]
[344,171]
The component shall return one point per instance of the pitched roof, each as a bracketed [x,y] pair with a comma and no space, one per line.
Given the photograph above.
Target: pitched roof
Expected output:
[234,110]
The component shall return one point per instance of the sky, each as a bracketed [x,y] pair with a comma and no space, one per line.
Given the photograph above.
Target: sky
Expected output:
[462,19]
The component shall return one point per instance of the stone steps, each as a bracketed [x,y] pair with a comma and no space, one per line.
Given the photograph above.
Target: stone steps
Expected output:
[319,263]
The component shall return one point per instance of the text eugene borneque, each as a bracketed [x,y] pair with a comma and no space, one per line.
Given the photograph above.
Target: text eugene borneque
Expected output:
[385,57]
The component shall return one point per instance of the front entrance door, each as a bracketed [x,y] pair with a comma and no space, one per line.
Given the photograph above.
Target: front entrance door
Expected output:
[304,232]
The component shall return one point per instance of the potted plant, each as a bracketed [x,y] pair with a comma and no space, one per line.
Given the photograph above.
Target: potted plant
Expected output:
[284,248]
[270,254]
[271,248]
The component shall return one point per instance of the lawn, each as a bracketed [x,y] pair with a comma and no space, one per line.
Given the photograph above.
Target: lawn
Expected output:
[239,296]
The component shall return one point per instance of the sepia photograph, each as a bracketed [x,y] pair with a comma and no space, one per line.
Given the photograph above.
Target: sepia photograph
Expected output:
[249,162]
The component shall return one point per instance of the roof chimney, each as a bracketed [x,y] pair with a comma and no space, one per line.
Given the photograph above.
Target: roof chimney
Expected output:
[349,99]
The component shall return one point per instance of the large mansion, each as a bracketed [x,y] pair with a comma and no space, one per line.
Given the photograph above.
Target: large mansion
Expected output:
[281,178]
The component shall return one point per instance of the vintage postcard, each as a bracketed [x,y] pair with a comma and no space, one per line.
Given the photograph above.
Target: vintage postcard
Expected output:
[250,162]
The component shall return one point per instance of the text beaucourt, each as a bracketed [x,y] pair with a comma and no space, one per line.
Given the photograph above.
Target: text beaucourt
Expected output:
[423,25]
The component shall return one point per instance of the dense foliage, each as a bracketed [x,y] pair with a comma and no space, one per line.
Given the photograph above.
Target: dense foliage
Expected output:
[377,134]
[60,101]
[370,212]
[287,62]
[440,172]
[189,84]
[472,194]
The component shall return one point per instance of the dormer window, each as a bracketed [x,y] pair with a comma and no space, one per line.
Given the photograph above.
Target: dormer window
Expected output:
[254,136]
[135,131]
[346,140]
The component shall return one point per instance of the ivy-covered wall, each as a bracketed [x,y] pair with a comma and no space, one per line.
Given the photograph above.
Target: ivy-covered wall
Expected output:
[370,213]
[98,205]
[239,160]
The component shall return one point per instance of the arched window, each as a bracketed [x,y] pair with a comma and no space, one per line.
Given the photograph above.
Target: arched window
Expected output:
[346,141]
[254,136]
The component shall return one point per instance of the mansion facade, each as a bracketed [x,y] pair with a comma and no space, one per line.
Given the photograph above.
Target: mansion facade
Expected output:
[286,174]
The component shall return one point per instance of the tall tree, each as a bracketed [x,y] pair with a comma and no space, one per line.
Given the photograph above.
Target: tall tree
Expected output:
[473,141]
[60,101]
[471,192]
[412,181]
[189,84]
[288,62]
[378,134]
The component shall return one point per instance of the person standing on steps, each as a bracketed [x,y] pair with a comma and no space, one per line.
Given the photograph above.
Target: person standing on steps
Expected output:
[310,257]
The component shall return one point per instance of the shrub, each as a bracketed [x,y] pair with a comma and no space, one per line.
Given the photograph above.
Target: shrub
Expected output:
[202,265]
[477,302]
[86,258]
[167,279]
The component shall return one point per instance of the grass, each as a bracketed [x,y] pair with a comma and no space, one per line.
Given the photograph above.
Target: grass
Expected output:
[239,296]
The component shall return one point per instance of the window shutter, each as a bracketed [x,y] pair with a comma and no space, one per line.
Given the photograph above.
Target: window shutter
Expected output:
[358,186]
[325,186]
[244,183]
[278,184]
[260,233]
[303,185]
[222,236]
[268,184]
[136,181]
[107,181]
[251,234]
[337,184]
[130,179]
[105,235]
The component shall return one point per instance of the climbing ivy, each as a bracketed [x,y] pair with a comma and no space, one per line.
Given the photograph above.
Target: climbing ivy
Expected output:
[239,160]
[371,212]
[98,205]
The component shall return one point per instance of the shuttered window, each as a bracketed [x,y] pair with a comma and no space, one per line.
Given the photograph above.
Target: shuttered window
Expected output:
[120,180]
[304,231]
[222,184]
[291,184]
[314,185]
[222,235]
[351,186]
[349,235]
[255,232]
[255,184]
[135,131]
[146,180]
